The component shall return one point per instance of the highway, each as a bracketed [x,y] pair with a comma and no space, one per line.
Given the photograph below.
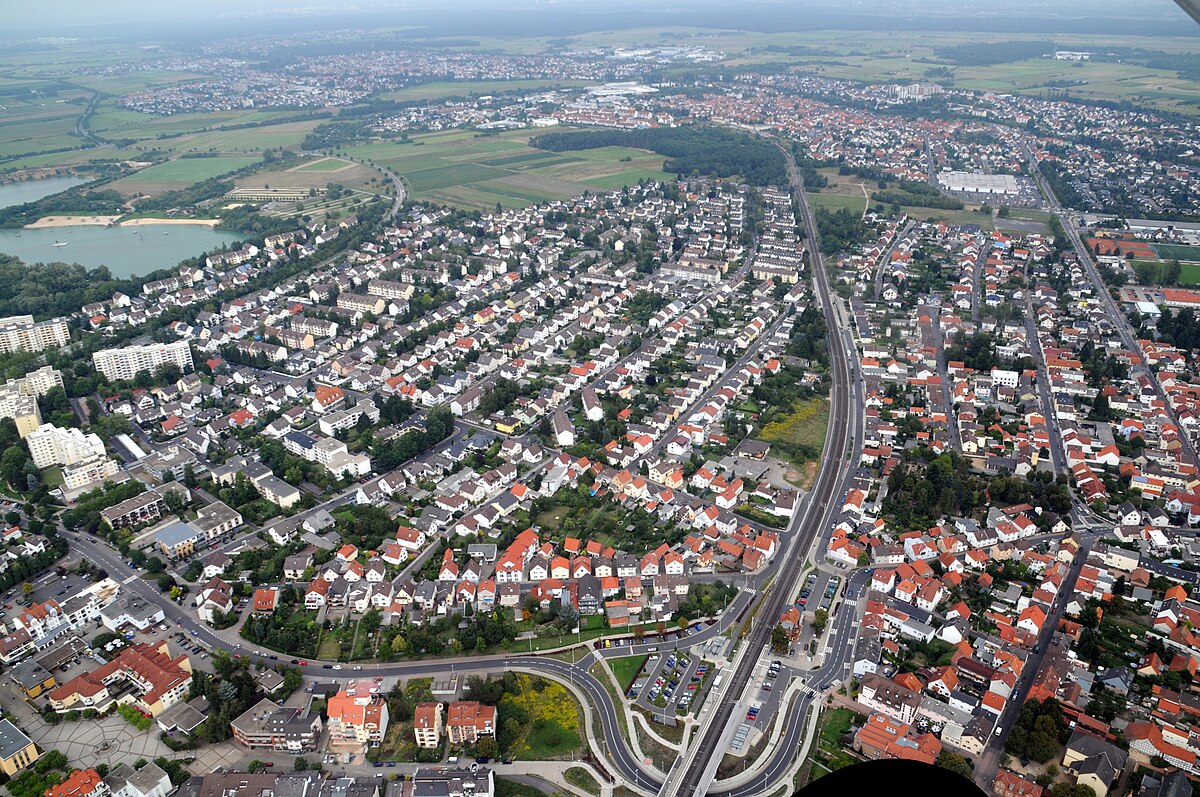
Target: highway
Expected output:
[803,532]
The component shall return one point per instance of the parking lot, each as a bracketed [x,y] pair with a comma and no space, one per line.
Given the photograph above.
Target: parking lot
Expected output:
[765,691]
[669,683]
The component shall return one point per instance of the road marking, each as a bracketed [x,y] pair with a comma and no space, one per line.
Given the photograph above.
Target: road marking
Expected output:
[130,580]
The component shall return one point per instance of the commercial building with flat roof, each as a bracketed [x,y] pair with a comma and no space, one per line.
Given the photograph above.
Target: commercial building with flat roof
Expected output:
[979,183]
[268,726]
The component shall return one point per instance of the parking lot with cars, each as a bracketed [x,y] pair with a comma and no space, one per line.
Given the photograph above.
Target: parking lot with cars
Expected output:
[670,683]
[767,686]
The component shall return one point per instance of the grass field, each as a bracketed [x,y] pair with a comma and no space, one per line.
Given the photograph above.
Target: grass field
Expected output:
[582,779]
[835,202]
[175,174]
[1030,214]
[473,171]
[1189,273]
[324,165]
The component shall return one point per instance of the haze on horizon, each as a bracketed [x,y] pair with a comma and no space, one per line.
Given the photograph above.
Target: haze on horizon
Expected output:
[132,19]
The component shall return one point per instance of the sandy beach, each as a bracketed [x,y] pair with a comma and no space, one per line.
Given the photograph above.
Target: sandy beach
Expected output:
[72,221]
[141,222]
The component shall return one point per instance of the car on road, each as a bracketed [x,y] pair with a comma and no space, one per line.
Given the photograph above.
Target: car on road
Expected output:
[303,663]
[337,666]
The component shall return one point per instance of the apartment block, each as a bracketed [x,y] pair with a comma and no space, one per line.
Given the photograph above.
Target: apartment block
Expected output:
[49,445]
[126,363]
[22,333]
[18,397]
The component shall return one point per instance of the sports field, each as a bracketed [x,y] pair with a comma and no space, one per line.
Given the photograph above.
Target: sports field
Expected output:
[475,171]
[1184,254]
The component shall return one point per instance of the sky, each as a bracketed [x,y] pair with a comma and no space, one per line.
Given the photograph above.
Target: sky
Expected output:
[128,18]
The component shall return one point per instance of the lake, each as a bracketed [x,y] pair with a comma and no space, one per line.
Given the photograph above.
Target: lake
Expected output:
[127,251]
[33,190]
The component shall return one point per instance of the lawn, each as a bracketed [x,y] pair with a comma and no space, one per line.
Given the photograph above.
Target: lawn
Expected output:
[582,779]
[828,754]
[626,669]
[52,477]
[552,518]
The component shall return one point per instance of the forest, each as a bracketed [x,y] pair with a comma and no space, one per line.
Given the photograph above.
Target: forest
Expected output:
[918,195]
[689,150]
[839,229]
[979,54]
[55,289]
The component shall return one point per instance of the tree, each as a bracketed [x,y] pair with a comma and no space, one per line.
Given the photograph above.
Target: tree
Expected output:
[780,641]
[820,620]
[956,763]
[487,747]
[12,466]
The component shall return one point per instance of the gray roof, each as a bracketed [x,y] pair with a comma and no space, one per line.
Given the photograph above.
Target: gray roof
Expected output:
[176,532]
[12,739]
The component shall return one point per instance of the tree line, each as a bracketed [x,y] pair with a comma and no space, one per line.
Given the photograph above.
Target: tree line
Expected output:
[689,150]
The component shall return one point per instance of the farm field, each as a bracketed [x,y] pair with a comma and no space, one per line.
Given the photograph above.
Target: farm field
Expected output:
[30,128]
[57,160]
[178,173]
[354,177]
[475,172]
[203,132]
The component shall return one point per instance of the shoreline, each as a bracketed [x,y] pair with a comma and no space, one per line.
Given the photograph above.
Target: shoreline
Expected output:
[71,221]
[47,222]
[142,222]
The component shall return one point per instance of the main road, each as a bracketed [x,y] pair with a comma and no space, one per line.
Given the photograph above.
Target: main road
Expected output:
[806,529]
[1120,322]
